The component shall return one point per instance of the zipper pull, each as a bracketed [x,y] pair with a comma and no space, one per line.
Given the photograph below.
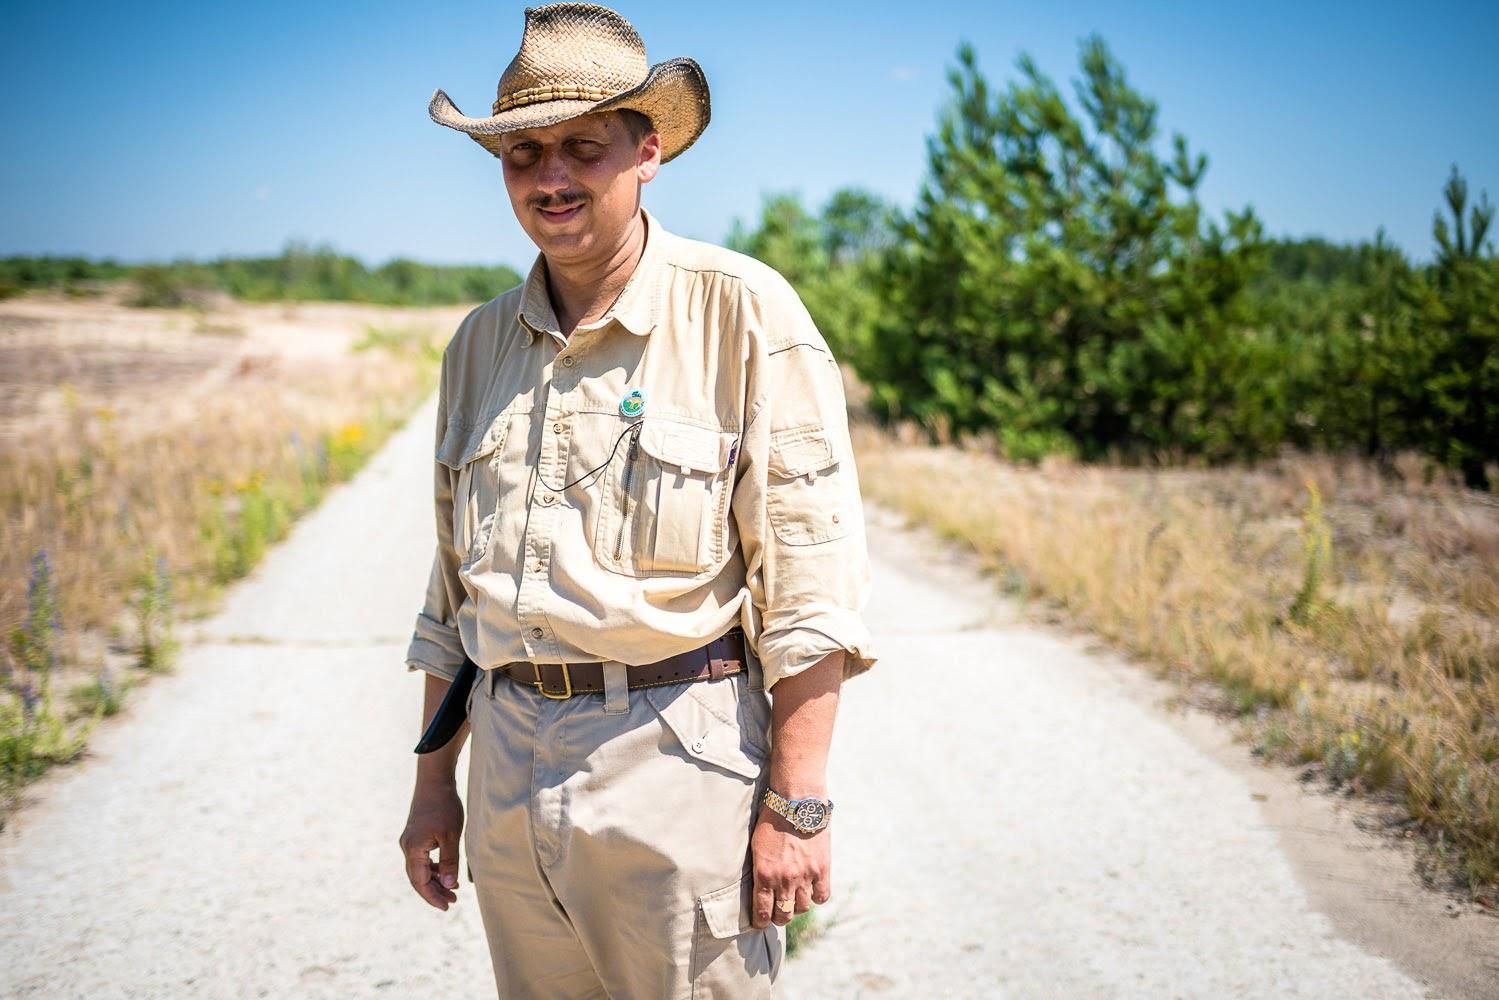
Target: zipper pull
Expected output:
[733,451]
[635,443]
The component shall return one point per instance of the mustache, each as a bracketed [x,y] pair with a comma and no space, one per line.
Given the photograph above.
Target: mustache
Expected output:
[560,200]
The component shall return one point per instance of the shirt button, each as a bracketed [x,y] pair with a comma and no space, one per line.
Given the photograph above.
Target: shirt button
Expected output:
[547,499]
[835,518]
[569,361]
[557,427]
[538,632]
[698,746]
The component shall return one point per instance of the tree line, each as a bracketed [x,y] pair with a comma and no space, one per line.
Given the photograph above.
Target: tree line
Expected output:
[1058,286]
[298,273]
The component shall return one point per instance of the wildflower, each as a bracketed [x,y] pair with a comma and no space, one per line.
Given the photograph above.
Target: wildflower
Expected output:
[30,699]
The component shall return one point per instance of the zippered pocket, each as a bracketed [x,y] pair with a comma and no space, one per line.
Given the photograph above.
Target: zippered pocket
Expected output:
[632,459]
[665,503]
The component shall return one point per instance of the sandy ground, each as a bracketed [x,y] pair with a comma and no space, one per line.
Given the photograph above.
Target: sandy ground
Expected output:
[1016,815]
[155,364]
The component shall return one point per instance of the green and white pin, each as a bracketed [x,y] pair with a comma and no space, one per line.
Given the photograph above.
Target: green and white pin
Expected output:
[633,403]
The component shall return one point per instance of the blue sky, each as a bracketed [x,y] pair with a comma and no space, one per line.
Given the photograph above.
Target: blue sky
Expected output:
[154,130]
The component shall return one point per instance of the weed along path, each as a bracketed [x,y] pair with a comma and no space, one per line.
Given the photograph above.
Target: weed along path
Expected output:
[1016,817]
[233,833]
[1019,815]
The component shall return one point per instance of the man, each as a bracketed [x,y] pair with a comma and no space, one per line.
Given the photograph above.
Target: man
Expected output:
[650,539]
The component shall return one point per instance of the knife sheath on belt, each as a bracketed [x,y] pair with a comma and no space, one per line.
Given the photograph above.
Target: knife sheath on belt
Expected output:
[453,710]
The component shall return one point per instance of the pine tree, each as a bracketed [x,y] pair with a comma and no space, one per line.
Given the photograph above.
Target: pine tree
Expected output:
[1056,285]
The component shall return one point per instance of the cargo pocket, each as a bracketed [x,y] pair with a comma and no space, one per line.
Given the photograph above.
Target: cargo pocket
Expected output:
[665,508]
[706,726]
[804,496]
[474,452]
[754,714]
[730,956]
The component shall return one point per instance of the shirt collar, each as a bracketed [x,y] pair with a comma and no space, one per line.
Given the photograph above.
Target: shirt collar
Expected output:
[635,309]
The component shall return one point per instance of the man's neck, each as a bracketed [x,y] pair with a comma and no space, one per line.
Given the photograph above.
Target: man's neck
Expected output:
[584,292]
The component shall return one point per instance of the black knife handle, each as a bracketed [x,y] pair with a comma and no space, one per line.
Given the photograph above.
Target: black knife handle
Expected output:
[449,716]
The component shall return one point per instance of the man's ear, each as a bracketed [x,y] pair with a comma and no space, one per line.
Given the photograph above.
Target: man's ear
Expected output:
[648,158]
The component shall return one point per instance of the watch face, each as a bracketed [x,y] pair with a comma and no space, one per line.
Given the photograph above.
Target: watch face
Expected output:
[810,813]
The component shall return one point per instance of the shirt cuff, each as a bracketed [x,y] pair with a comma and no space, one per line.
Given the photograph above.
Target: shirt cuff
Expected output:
[787,651]
[435,648]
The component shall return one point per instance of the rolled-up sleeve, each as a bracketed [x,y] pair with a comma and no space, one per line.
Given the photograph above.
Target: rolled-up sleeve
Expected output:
[797,502]
[435,644]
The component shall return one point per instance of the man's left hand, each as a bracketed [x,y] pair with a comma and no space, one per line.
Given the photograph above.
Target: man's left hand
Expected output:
[788,865]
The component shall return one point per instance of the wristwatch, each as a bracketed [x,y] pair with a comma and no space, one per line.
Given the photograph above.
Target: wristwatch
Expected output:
[808,815]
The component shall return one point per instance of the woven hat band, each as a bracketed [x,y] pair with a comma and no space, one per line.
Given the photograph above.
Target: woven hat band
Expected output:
[537,95]
[579,58]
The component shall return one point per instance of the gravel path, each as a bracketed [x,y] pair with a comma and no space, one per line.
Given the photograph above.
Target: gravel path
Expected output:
[1013,820]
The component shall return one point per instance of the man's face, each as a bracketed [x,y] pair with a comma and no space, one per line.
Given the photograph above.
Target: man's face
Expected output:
[575,186]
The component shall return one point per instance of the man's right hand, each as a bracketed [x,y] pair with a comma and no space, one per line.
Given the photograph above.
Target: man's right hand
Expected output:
[434,823]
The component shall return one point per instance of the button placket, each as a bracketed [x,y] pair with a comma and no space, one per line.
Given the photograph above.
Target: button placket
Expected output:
[545,510]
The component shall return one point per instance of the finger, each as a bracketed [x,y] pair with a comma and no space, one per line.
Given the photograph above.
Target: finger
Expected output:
[418,865]
[781,915]
[803,898]
[441,897]
[419,873]
[447,860]
[822,889]
[764,900]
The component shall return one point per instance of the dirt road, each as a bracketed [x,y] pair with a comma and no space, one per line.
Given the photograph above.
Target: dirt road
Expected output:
[1015,817]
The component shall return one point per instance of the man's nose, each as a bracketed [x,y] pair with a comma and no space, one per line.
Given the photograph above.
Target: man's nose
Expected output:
[552,175]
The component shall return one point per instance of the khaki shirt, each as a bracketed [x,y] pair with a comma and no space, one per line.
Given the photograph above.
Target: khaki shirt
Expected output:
[573,526]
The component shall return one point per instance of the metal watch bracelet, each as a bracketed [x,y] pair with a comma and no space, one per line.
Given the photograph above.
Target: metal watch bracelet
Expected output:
[807,815]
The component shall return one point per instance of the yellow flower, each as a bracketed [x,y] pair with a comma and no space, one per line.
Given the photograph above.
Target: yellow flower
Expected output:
[349,435]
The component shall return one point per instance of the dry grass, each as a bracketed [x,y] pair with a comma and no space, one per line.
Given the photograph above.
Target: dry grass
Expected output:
[1350,620]
[141,443]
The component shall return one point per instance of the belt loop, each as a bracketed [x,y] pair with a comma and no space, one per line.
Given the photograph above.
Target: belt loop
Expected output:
[616,688]
[752,665]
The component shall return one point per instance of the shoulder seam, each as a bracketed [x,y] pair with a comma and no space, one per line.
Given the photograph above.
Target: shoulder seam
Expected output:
[715,270]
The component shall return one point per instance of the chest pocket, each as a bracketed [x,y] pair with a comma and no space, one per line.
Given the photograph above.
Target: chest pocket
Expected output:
[473,452]
[805,498]
[664,509]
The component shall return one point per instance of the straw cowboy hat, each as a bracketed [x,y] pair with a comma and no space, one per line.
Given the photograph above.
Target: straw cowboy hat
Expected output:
[577,58]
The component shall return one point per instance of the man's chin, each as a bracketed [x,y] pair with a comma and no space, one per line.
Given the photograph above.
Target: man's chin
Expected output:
[561,245]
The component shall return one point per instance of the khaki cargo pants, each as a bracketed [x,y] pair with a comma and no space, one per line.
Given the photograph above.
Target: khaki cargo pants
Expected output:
[608,838]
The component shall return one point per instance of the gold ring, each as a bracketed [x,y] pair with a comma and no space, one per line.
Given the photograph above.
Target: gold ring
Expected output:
[785,905]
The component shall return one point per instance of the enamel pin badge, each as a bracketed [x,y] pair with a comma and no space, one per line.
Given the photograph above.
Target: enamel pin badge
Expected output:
[633,403]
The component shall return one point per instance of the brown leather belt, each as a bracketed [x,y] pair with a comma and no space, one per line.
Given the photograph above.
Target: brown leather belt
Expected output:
[719,658]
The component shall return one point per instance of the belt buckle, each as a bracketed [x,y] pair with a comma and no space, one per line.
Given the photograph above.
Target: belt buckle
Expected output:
[567,682]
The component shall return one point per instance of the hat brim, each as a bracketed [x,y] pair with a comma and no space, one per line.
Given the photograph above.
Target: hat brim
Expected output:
[674,95]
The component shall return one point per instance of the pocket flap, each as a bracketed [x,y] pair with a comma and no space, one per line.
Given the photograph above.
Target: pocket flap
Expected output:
[703,732]
[462,444]
[686,446]
[729,911]
[799,450]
